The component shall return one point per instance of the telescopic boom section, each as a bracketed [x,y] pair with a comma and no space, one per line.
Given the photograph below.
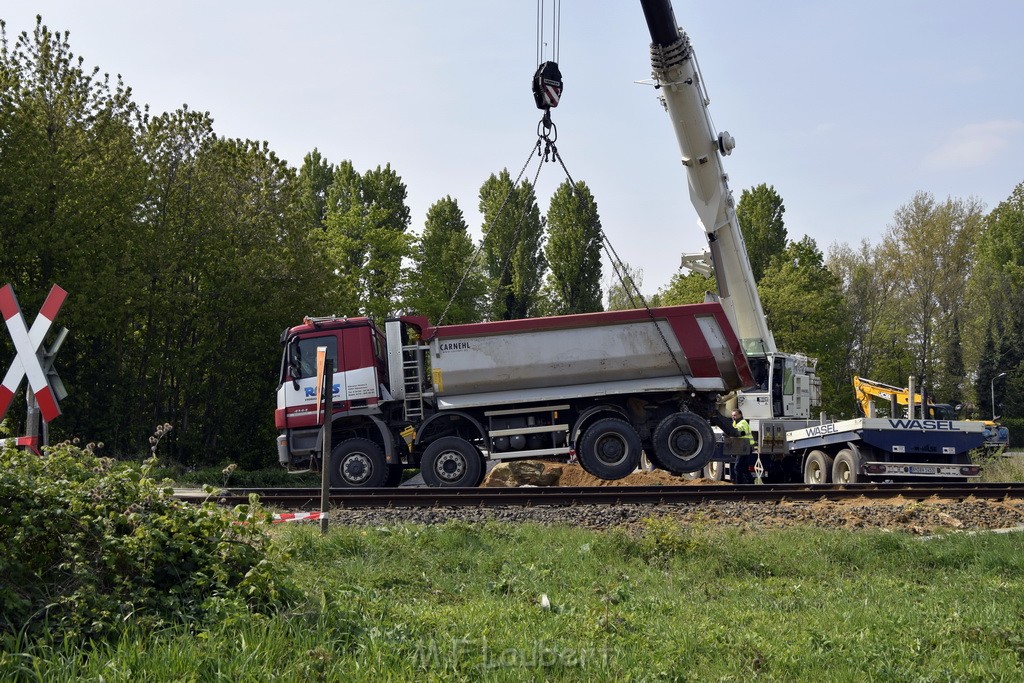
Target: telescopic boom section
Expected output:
[676,74]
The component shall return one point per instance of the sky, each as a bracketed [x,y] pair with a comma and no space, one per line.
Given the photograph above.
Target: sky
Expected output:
[847,108]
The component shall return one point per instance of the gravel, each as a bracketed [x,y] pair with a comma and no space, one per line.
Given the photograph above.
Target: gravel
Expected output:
[917,517]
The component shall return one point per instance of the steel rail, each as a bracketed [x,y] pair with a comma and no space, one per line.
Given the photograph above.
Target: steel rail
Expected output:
[309,499]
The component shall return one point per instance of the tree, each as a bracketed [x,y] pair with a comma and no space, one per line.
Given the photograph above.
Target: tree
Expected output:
[315,177]
[624,288]
[927,250]
[366,222]
[71,183]
[877,346]
[951,381]
[573,250]
[687,288]
[804,305]
[446,284]
[996,293]
[513,246]
[988,368]
[184,255]
[759,213]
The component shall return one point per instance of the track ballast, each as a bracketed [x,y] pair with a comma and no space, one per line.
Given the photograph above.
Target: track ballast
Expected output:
[309,499]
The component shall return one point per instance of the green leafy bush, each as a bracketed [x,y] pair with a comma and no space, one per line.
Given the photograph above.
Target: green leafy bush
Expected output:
[88,545]
[227,475]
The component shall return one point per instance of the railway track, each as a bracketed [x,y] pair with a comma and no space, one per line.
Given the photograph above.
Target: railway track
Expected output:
[309,499]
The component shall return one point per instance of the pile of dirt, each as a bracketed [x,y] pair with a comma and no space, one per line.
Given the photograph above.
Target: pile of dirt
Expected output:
[572,474]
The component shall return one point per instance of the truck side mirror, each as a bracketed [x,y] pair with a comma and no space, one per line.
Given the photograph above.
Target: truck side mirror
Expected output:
[294,363]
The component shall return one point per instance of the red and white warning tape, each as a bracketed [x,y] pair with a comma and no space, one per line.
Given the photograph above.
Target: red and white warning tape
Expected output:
[299,517]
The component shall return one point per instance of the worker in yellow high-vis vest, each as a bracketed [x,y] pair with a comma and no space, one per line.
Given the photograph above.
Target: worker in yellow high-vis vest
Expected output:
[742,427]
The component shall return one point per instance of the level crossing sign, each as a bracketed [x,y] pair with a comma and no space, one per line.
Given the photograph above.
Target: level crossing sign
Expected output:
[31,358]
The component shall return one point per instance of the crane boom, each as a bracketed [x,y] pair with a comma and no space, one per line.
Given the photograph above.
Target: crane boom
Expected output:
[677,75]
[787,386]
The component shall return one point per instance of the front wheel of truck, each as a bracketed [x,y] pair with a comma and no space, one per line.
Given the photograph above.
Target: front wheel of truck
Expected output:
[358,463]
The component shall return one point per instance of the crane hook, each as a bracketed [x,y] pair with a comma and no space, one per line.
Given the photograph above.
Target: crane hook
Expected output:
[547,85]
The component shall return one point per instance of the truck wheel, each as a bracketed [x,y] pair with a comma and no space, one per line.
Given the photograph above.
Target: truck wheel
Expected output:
[358,463]
[714,470]
[683,442]
[452,461]
[846,468]
[817,468]
[610,449]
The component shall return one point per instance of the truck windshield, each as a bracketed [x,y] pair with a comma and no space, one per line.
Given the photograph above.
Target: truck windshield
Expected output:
[304,354]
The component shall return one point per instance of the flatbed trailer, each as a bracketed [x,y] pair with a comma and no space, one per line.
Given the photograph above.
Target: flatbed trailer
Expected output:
[861,449]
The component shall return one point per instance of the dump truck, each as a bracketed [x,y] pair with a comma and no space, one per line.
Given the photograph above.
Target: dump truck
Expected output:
[601,387]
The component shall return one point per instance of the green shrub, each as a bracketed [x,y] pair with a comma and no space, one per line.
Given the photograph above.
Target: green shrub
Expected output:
[225,475]
[88,545]
[1002,468]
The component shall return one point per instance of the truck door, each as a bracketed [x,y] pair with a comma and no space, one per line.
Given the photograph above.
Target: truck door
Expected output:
[301,367]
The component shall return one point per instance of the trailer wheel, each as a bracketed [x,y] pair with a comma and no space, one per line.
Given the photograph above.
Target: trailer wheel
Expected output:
[452,461]
[358,463]
[846,468]
[610,449]
[818,468]
[683,442]
[714,470]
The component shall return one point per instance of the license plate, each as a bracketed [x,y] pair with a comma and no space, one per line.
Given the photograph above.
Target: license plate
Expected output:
[922,470]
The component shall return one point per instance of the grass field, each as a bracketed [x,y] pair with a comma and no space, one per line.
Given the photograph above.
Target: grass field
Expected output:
[501,602]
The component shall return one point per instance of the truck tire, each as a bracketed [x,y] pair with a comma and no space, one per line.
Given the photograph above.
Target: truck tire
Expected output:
[683,442]
[610,449]
[358,463]
[714,470]
[452,461]
[818,468]
[846,468]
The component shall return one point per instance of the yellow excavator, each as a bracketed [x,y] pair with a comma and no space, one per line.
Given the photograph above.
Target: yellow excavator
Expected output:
[997,437]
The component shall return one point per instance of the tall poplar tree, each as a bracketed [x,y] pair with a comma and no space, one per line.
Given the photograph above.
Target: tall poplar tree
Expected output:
[759,213]
[573,250]
[315,177]
[366,219]
[444,278]
[513,246]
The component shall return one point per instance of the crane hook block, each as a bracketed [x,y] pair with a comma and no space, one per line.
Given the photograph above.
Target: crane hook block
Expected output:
[547,85]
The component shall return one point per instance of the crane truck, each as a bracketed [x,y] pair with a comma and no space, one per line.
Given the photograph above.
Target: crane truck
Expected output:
[790,445]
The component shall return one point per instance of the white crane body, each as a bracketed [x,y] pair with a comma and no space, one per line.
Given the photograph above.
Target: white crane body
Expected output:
[779,406]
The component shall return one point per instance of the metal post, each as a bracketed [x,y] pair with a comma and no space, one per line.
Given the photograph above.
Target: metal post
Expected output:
[992,390]
[327,404]
[911,398]
[32,414]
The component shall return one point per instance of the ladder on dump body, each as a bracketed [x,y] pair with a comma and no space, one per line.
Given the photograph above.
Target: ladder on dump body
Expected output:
[412,372]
